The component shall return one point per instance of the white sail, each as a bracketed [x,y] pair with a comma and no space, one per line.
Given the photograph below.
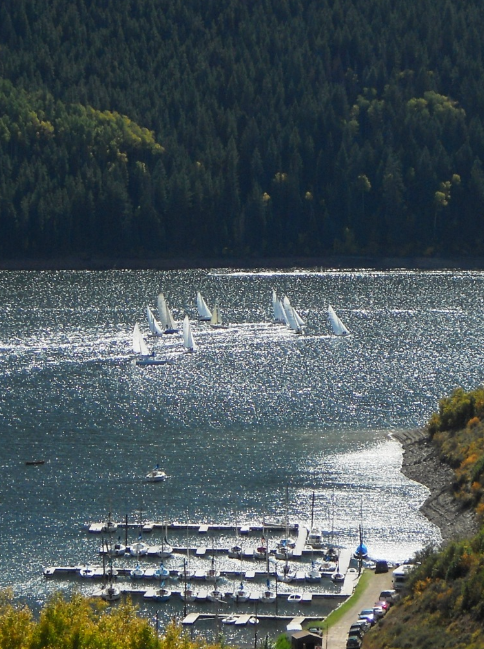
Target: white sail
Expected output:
[153,324]
[166,318]
[204,312]
[278,309]
[293,318]
[139,345]
[216,319]
[188,336]
[337,326]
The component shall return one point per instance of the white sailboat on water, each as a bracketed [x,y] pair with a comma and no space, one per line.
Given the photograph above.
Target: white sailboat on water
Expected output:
[293,318]
[166,318]
[216,319]
[278,309]
[153,323]
[204,312]
[140,347]
[337,326]
[188,340]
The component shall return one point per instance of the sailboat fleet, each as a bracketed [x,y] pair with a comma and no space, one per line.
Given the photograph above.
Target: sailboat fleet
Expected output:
[161,322]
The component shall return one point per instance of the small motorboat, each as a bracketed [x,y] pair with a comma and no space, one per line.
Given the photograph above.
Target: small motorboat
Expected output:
[338,577]
[295,597]
[156,475]
[230,619]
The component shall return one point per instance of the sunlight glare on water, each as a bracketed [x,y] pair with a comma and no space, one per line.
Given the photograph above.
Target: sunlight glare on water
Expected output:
[256,409]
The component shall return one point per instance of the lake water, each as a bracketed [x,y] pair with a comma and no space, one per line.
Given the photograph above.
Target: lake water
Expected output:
[257,409]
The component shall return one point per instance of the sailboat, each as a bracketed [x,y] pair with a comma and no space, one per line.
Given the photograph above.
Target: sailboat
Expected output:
[153,323]
[293,318]
[337,326]
[216,319]
[166,318]
[141,348]
[278,309]
[188,340]
[204,312]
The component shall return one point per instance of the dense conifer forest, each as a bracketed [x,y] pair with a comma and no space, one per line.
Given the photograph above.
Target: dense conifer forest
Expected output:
[268,128]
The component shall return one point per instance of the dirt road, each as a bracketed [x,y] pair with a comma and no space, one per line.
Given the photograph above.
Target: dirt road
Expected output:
[339,632]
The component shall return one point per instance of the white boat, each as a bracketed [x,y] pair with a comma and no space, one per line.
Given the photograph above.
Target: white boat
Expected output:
[188,340]
[313,575]
[235,552]
[141,348]
[166,318]
[110,593]
[215,595]
[153,323]
[294,321]
[286,574]
[315,538]
[216,319]
[109,526]
[162,572]
[212,573]
[294,597]
[188,594]
[137,572]
[337,326]
[241,595]
[278,309]
[156,475]
[161,594]
[138,549]
[230,619]
[267,597]
[204,312]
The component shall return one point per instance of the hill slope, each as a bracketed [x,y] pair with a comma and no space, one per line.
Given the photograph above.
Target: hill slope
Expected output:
[289,127]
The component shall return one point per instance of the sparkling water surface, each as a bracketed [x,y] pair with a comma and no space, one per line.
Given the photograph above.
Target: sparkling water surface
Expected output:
[256,410]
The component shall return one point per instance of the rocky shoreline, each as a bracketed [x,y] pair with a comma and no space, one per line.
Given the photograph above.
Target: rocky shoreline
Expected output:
[422,464]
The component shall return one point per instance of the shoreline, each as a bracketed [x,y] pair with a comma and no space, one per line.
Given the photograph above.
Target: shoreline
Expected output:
[86,262]
[422,464]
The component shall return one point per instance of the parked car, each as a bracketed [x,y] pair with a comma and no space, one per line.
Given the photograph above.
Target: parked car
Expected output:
[363,624]
[389,596]
[379,611]
[368,614]
[383,604]
[353,642]
[357,630]
[381,566]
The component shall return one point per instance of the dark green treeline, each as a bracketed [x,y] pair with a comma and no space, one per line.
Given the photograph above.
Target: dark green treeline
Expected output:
[275,127]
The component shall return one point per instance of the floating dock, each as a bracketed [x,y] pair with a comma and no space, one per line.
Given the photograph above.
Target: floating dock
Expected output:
[201,528]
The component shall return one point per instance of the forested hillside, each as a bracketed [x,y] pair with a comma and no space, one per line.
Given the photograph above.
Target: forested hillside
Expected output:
[276,127]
